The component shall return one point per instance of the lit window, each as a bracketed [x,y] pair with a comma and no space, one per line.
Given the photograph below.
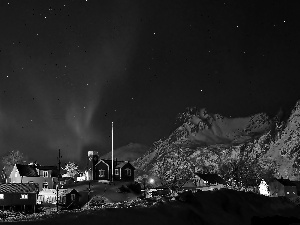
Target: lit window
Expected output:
[101,173]
[117,171]
[45,185]
[128,172]
[1,196]
[16,175]
[24,196]
[45,173]
[72,197]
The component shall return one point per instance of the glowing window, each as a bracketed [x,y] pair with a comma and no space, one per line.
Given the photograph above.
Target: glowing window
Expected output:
[45,173]
[101,173]
[1,196]
[24,196]
[116,171]
[45,185]
[72,197]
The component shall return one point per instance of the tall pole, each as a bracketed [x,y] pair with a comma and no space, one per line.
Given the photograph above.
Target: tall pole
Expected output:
[112,151]
[59,157]
[58,176]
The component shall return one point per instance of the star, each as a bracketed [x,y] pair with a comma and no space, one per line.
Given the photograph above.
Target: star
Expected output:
[154,33]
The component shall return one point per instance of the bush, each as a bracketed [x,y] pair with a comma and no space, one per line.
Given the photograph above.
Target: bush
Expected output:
[135,187]
[124,189]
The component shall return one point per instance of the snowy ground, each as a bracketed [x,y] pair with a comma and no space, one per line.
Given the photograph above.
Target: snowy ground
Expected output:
[217,207]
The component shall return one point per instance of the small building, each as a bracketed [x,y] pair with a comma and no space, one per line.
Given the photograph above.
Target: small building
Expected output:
[208,181]
[282,187]
[45,176]
[68,198]
[123,170]
[18,194]
[189,185]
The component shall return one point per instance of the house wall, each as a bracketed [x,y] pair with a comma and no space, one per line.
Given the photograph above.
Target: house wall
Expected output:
[124,176]
[117,177]
[11,199]
[290,191]
[276,189]
[102,166]
[16,178]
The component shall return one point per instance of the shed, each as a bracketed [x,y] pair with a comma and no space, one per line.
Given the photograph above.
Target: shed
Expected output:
[68,198]
[18,194]
[282,187]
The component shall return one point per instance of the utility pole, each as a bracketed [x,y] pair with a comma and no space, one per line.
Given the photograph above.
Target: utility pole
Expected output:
[58,158]
[112,151]
[89,190]
[58,176]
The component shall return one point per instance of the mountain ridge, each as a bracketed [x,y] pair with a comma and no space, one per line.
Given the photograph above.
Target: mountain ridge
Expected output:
[211,142]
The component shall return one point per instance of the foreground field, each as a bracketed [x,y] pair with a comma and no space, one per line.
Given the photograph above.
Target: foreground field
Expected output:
[218,207]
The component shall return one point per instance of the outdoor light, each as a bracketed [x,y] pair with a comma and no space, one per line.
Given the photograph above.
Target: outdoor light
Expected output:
[151,181]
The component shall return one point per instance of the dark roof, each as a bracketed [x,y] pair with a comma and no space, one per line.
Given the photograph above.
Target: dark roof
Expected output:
[46,167]
[68,191]
[19,188]
[27,170]
[117,164]
[286,182]
[211,178]
[123,164]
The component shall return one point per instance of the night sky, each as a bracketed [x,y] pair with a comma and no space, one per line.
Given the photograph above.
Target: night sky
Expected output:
[70,68]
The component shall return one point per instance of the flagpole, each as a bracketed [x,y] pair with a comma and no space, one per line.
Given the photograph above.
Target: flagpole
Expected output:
[112,151]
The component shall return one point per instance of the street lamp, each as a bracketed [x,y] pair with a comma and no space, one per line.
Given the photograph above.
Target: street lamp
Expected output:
[150,180]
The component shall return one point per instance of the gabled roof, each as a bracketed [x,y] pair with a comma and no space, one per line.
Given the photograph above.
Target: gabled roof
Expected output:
[117,164]
[286,182]
[27,170]
[123,164]
[189,184]
[19,188]
[67,191]
[211,178]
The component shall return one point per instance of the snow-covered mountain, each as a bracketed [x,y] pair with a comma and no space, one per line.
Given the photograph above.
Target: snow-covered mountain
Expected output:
[213,143]
[129,152]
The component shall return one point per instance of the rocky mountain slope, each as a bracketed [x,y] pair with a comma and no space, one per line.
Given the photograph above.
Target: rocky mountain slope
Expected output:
[241,149]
